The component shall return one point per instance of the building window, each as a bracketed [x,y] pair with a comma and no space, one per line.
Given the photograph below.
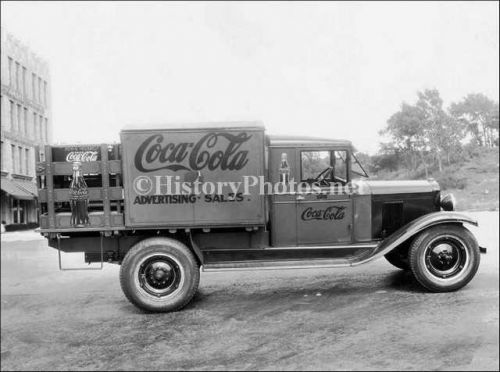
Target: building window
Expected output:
[33,90]
[24,81]
[20,159]
[25,120]
[27,160]
[13,157]
[41,128]
[35,125]
[45,93]
[39,90]
[40,119]
[18,77]
[46,130]
[19,118]
[12,112]
[11,72]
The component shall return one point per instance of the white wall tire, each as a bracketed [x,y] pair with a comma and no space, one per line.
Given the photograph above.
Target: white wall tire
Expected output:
[444,258]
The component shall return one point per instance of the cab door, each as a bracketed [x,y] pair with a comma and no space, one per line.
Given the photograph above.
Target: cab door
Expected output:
[324,219]
[324,216]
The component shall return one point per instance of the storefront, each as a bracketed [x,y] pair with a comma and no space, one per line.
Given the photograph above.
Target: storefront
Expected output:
[18,201]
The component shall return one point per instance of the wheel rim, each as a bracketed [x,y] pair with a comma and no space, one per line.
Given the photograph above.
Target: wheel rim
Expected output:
[445,256]
[159,275]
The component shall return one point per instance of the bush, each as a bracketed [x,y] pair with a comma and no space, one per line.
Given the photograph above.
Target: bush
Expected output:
[450,181]
[21,226]
[472,150]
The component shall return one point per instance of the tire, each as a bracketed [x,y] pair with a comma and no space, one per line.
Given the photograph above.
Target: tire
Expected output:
[444,258]
[159,275]
[399,258]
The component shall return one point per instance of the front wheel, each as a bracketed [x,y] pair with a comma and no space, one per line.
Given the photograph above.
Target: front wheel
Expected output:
[160,275]
[444,258]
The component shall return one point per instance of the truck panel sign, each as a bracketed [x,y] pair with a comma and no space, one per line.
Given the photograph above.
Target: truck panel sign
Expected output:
[180,178]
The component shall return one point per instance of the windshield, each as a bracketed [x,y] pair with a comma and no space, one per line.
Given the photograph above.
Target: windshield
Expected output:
[357,168]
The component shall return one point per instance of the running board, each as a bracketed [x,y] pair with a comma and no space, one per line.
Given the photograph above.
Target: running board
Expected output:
[277,265]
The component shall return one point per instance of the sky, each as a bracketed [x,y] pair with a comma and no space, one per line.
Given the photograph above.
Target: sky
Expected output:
[327,69]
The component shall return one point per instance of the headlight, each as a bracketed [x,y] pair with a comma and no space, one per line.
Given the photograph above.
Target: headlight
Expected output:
[448,202]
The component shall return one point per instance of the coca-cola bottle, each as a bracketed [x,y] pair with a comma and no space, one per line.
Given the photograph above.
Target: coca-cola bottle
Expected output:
[78,197]
[284,169]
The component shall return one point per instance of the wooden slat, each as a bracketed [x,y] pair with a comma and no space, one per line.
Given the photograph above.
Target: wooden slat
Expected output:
[50,187]
[105,184]
[95,193]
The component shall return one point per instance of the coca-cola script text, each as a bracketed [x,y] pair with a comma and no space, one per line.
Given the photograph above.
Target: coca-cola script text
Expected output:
[155,154]
[330,213]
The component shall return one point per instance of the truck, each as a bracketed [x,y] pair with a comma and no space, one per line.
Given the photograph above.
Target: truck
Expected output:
[169,201]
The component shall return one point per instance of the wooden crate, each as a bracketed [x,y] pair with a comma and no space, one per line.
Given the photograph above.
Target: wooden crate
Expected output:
[105,201]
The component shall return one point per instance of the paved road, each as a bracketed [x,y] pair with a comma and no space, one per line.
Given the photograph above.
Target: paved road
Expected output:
[369,317]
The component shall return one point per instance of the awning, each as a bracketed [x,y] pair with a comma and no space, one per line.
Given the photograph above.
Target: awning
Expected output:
[28,186]
[12,187]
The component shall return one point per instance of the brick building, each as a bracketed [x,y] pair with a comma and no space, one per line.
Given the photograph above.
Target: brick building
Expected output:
[25,124]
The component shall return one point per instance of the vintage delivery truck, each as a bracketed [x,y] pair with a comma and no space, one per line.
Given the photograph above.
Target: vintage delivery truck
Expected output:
[169,201]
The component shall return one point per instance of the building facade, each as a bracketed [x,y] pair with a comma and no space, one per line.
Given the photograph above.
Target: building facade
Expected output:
[25,124]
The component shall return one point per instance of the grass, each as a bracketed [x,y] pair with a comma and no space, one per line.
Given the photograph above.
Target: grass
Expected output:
[474,182]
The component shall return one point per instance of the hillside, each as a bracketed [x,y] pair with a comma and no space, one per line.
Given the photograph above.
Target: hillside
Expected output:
[474,182]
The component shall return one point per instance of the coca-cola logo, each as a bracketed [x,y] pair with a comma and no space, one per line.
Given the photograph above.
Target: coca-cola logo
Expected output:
[155,154]
[330,213]
[81,156]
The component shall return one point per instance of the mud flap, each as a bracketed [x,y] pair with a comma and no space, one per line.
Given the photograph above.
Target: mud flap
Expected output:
[482,250]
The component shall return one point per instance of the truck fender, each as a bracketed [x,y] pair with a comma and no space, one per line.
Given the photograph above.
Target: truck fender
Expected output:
[414,227]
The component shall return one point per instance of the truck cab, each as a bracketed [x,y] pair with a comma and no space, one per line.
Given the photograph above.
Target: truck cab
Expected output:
[316,215]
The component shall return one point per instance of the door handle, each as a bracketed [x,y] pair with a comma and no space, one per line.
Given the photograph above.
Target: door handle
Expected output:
[300,197]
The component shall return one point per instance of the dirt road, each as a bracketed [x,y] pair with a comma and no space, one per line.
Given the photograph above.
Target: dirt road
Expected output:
[369,317]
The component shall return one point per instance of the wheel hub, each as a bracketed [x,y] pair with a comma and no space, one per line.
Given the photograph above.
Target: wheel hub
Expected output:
[159,276]
[445,257]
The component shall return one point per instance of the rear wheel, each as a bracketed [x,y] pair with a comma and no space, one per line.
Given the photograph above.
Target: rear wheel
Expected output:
[444,258]
[159,274]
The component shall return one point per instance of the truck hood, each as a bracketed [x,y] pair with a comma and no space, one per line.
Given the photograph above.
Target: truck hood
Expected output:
[366,187]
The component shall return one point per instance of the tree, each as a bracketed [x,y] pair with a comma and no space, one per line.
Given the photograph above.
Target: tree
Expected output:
[479,115]
[443,132]
[407,131]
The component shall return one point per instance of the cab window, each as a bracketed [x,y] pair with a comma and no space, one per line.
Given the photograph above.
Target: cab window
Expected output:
[340,166]
[313,163]
[324,167]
